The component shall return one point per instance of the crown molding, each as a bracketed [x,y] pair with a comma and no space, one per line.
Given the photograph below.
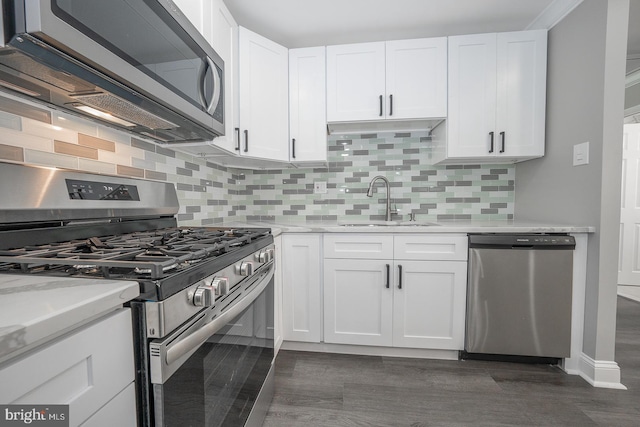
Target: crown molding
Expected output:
[552,14]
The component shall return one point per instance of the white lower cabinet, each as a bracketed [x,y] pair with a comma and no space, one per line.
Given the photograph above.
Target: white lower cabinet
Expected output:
[301,287]
[414,298]
[90,369]
[357,302]
[429,304]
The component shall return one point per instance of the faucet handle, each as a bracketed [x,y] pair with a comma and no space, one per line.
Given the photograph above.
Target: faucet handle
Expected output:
[394,210]
[412,216]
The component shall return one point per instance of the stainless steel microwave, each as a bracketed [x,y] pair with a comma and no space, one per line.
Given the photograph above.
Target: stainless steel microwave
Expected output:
[139,65]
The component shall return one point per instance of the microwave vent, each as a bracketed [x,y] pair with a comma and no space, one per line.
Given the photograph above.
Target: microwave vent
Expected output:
[124,110]
[27,66]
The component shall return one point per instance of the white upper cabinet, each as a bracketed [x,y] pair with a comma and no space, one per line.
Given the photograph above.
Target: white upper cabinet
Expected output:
[264,99]
[497,97]
[416,83]
[214,21]
[307,105]
[224,39]
[355,82]
[404,79]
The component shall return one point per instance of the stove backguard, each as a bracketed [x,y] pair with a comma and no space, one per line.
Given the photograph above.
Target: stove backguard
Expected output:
[35,195]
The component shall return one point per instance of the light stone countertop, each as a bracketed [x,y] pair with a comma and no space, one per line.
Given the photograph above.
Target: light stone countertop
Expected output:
[35,309]
[362,226]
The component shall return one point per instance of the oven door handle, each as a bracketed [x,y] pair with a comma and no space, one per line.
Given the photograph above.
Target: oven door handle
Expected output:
[168,356]
[197,338]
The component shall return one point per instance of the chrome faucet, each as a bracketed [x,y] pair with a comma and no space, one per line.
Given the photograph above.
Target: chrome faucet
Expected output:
[370,194]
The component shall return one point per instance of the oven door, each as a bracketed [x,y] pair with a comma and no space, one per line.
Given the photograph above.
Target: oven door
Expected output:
[217,369]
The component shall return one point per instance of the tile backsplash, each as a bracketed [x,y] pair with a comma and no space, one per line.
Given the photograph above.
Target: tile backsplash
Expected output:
[210,193]
[432,192]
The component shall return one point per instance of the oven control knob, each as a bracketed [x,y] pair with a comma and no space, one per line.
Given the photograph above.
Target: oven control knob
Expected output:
[264,256]
[244,269]
[204,296]
[271,254]
[220,285]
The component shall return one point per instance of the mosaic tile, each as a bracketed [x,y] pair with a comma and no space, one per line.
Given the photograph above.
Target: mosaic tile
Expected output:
[50,159]
[209,192]
[96,166]
[13,106]
[10,121]
[8,152]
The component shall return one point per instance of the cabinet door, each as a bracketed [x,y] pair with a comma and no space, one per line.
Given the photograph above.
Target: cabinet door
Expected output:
[355,82]
[307,105]
[301,287]
[223,33]
[472,96]
[416,78]
[522,81]
[84,369]
[193,10]
[357,302]
[264,99]
[429,304]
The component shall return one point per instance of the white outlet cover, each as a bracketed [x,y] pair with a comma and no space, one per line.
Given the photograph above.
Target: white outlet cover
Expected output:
[320,187]
[581,154]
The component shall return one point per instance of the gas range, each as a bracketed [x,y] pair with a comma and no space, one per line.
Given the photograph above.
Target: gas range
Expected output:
[206,293]
[161,260]
[69,223]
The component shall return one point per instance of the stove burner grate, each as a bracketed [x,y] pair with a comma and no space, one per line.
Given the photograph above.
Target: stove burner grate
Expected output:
[149,254]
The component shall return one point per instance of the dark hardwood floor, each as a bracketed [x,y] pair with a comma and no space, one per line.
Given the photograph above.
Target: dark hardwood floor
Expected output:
[319,389]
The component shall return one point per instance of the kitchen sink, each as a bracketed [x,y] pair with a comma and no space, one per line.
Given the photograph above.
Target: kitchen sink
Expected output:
[389,224]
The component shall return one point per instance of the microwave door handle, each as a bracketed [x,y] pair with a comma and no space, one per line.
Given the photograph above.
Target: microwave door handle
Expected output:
[216,86]
[190,343]
[201,94]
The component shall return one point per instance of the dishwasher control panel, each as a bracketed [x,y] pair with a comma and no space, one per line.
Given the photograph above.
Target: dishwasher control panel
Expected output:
[536,241]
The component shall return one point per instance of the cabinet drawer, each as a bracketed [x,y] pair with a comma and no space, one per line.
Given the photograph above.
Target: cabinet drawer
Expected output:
[84,369]
[446,247]
[358,246]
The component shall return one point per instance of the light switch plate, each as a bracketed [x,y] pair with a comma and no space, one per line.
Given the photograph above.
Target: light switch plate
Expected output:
[581,154]
[320,187]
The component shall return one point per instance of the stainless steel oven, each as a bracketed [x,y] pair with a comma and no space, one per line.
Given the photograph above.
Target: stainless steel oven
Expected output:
[216,370]
[203,323]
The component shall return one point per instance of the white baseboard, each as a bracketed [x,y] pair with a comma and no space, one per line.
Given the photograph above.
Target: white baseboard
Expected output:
[630,292]
[365,350]
[600,373]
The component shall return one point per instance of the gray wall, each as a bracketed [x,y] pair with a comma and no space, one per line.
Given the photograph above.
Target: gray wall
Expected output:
[585,98]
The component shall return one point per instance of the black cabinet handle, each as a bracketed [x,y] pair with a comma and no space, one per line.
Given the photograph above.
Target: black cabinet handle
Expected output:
[246,140]
[391,105]
[238,135]
[399,277]
[388,275]
[293,148]
[380,105]
[491,139]
[502,137]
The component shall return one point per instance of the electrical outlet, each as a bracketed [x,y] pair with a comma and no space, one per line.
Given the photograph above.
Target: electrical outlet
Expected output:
[320,187]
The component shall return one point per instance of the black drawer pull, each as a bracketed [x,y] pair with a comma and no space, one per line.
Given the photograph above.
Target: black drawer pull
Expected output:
[388,275]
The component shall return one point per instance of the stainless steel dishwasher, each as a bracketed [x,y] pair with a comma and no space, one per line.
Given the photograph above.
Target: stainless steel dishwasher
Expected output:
[519,295]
